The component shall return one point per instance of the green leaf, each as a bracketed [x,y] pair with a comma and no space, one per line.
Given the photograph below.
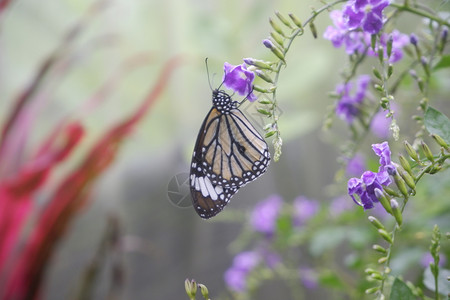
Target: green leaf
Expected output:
[443,63]
[443,286]
[400,291]
[437,123]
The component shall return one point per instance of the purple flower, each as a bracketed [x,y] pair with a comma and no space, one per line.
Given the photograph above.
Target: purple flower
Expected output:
[308,277]
[427,259]
[348,106]
[264,215]
[339,205]
[340,34]
[240,80]
[365,14]
[304,209]
[400,40]
[243,263]
[365,186]
[356,165]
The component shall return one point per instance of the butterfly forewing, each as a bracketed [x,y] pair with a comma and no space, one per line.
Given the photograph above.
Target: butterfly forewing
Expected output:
[228,154]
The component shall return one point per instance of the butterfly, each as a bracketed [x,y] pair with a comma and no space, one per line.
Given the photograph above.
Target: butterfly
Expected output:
[228,154]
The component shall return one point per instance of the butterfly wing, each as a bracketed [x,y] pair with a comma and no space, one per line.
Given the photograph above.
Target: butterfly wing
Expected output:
[228,154]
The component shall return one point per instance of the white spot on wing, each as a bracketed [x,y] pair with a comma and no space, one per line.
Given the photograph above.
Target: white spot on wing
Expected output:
[203,188]
[210,188]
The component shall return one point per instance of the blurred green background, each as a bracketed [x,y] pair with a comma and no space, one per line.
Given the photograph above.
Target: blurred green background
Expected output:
[164,244]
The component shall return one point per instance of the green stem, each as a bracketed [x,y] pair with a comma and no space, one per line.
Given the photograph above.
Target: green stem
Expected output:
[405,7]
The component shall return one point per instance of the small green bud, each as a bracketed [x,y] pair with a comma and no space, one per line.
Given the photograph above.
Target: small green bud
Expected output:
[204,291]
[380,54]
[389,46]
[264,112]
[376,223]
[384,103]
[435,169]
[283,19]
[376,276]
[385,235]
[382,260]
[257,63]
[390,70]
[396,212]
[372,290]
[401,184]
[373,41]
[265,101]
[377,73]
[313,29]
[411,152]
[440,141]
[276,27]
[426,151]
[277,38]
[408,179]
[380,249]
[370,271]
[191,288]
[264,90]
[383,200]
[420,84]
[405,164]
[296,21]
[391,192]
[263,76]
[270,133]
[378,87]
[425,65]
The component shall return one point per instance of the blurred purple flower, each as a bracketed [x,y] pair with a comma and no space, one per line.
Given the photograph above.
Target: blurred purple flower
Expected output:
[340,34]
[356,165]
[365,14]
[348,106]
[304,209]
[427,259]
[272,259]
[380,125]
[243,263]
[339,205]
[365,186]
[308,277]
[240,80]
[264,216]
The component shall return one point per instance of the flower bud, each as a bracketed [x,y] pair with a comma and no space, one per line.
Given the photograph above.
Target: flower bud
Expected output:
[277,38]
[405,164]
[391,192]
[424,62]
[411,152]
[396,212]
[383,200]
[377,276]
[382,260]
[427,152]
[257,63]
[270,133]
[376,223]
[390,70]
[276,27]
[268,43]
[440,141]
[443,42]
[296,21]
[380,249]
[408,180]
[204,291]
[313,29]
[373,41]
[191,288]
[380,54]
[401,184]
[263,76]
[385,235]
[389,46]
[376,73]
[268,90]
[264,112]
[372,290]
[413,39]
[283,19]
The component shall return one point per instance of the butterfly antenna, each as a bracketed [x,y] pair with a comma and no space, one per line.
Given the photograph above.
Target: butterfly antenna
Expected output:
[207,72]
[246,97]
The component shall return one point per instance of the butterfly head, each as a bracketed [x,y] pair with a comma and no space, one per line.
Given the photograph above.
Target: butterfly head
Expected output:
[222,101]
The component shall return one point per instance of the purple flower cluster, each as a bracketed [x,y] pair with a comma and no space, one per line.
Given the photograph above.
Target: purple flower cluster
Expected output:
[243,263]
[346,30]
[365,14]
[265,214]
[356,165]
[365,186]
[349,104]
[239,79]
